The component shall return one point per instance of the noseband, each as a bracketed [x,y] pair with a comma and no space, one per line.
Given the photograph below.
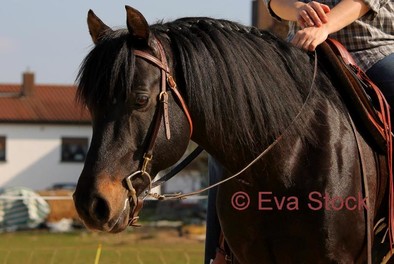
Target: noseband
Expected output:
[161,113]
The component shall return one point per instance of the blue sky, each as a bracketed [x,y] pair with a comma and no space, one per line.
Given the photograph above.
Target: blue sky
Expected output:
[50,37]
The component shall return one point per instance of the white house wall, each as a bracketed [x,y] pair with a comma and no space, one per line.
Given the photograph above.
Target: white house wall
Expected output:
[33,155]
[185,182]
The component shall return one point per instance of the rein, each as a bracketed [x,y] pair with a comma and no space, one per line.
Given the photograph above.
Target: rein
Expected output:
[162,110]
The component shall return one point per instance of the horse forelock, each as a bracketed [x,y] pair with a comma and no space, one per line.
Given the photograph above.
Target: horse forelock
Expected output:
[107,72]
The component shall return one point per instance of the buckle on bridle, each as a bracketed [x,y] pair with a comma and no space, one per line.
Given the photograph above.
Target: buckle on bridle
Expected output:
[163,97]
[147,158]
[171,82]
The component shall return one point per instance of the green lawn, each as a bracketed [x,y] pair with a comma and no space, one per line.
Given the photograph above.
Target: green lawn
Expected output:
[145,246]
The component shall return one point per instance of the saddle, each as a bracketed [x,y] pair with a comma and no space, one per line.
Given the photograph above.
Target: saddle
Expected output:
[363,98]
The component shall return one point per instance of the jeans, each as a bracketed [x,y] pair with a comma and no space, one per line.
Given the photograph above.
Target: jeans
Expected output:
[216,172]
[382,74]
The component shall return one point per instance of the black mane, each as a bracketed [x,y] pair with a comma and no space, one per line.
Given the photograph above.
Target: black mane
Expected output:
[246,81]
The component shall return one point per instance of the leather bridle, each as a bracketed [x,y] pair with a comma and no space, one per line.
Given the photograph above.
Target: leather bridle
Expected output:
[161,113]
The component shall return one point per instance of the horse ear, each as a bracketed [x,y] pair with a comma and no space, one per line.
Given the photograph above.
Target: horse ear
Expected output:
[137,25]
[97,28]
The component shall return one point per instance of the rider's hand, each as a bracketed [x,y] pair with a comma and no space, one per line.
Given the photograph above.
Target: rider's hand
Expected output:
[310,37]
[312,14]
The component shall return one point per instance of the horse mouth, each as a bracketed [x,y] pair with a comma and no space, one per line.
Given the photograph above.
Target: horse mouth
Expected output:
[115,225]
[121,222]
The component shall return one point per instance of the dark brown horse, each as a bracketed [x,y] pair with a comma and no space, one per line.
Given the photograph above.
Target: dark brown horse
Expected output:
[303,202]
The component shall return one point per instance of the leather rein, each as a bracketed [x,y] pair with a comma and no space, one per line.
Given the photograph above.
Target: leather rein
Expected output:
[162,113]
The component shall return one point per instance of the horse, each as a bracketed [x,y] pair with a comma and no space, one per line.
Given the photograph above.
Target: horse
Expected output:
[236,91]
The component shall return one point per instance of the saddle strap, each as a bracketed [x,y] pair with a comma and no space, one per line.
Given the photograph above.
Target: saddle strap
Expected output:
[223,252]
[365,188]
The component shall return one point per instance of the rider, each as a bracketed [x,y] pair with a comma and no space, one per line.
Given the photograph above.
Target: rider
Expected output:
[364,27]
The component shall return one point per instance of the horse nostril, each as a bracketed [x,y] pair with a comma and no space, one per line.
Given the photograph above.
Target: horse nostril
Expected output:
[100,209]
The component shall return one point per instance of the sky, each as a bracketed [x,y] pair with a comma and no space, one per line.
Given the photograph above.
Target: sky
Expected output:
[50,37]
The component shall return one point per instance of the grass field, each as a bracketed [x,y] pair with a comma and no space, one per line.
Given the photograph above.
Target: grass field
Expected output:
[145,246]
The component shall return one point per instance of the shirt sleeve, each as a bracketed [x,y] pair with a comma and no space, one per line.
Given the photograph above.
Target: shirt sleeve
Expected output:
[272,13]
[375,6]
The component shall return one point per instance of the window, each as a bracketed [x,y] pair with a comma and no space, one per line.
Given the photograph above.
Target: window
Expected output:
[74,149]
[2,148]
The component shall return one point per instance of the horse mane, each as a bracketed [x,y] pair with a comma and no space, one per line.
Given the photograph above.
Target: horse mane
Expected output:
[247,82]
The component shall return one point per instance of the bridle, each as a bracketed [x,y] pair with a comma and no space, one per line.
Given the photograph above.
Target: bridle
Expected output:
[161,114]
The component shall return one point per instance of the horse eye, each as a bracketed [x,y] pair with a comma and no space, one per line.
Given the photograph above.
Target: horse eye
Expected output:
[141,100]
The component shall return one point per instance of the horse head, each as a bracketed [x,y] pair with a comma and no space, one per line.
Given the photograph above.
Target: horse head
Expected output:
[121,83]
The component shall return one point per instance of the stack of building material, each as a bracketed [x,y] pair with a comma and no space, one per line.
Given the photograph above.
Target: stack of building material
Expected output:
[21,208]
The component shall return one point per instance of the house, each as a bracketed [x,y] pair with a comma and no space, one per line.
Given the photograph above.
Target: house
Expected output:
[44,134]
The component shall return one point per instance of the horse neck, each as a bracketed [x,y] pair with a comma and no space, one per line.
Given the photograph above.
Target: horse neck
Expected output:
[229,147]
[233,155]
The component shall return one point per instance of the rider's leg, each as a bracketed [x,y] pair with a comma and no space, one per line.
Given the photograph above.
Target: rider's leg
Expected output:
[213,227]
[382,74]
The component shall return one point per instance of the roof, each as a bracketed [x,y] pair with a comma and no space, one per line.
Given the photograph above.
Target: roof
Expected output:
[47,104]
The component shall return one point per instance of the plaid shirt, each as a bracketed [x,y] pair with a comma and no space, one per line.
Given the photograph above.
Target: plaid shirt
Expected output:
[369,38]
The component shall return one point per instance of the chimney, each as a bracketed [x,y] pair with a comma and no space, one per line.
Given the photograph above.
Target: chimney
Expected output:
[27,84]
